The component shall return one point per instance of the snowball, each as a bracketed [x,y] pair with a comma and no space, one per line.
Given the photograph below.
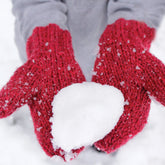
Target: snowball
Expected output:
[84,113]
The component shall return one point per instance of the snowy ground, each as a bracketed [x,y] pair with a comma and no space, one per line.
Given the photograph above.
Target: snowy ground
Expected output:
[18,144]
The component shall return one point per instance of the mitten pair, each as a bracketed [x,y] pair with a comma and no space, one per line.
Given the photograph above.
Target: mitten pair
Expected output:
[123,61]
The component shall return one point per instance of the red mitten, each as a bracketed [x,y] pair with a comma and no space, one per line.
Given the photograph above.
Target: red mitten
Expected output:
[50,67]
[124,61]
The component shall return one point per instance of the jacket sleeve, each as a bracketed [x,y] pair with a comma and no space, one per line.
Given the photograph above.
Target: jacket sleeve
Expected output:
[148,11]
[32,13]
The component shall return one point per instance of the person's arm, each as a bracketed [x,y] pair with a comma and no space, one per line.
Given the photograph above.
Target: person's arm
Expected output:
[35,13]
[148,11]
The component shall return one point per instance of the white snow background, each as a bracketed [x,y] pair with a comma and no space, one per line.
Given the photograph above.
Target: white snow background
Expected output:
[18,143]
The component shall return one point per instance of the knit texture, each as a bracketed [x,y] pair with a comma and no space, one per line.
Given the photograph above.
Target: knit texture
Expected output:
[124,61]
[50,67]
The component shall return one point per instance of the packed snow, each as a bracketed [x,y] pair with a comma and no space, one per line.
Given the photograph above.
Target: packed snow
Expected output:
[84,113]
[18,143]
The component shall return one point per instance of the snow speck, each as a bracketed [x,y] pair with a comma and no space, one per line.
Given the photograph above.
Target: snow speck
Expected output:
[36,89]
[39,113]
[118,54]
[148,92]
[69,67]
[109,49]
[99,64]
[26,83]
[40,101]
[144,51]
[130,135]
[6,101]
[47,43]
[137,68]
[34,98]
[122,83]
[38,129]
[30,74]
[84,113]
[134,50]
[126,102]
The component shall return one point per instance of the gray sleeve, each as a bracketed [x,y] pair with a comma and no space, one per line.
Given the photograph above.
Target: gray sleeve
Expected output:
[148,11]
[32,13]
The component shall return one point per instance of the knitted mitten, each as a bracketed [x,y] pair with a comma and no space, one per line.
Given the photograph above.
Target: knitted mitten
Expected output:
[124,61]
[50,67]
